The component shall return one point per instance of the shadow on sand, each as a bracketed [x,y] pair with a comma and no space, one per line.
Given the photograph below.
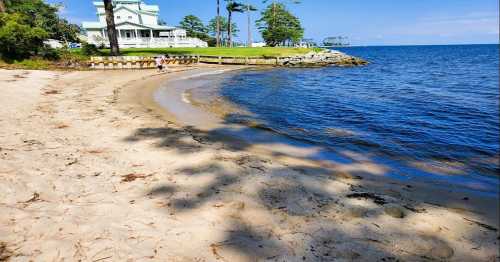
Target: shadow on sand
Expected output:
[299,211]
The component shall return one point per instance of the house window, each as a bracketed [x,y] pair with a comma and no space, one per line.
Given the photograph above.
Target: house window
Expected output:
[117,17]
[130,17]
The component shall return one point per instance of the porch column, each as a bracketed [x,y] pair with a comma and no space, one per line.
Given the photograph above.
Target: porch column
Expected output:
[136,35]
[150,37]
[120,34]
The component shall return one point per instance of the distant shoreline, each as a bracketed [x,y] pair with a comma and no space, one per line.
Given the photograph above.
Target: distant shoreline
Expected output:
[409,45]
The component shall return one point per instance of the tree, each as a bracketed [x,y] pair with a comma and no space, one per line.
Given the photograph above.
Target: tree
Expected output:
[2,7]
[40,14]
[249,8]
[217,35]
[194,27]
[110,21]
[279,27]
[274,2]
[161,22]
[232,7]
[18,39]
[26,24]
[212,28]
[66,31]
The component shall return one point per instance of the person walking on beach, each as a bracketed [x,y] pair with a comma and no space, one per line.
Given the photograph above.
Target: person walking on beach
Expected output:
[164,62]
[159,63]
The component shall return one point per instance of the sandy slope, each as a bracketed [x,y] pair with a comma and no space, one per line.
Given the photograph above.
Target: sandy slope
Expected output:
[92,170]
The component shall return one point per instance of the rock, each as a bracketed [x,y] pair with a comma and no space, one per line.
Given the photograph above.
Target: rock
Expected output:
[394,210]
[323,58]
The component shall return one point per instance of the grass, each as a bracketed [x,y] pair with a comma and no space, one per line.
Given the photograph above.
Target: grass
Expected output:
[29,64]
[76,55]
[40,63]
[215,51]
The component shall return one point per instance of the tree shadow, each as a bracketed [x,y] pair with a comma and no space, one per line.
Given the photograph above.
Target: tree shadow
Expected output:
[294,211]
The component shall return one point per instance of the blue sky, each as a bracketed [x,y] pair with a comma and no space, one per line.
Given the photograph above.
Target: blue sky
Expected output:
[365,22]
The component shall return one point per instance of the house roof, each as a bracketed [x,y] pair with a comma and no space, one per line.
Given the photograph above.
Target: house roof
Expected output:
[150,8]
[144,7]
[98,3]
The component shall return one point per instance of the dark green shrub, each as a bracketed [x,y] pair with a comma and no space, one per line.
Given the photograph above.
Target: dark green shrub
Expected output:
[212,42]
[49,53]
[90,49]
[19,40]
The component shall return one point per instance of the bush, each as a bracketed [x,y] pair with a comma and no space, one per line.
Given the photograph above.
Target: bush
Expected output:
[90,49]
[212,42]
[49,53]
[18,39]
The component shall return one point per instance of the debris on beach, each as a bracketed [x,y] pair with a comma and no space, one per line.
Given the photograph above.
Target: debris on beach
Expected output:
[376,199]
[133,176]
[51,92]
[5,253]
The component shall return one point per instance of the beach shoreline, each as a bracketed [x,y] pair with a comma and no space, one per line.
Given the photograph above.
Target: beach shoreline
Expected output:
[92,163]
[196,99]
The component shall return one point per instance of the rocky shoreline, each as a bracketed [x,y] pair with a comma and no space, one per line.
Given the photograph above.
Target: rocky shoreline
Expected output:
[323,58]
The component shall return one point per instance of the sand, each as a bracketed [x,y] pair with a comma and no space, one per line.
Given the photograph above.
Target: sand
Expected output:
[92,169]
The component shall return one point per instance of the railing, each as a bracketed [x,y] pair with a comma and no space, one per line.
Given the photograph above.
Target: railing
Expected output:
[136,62]
[139,62]
[156,42]
[161,42]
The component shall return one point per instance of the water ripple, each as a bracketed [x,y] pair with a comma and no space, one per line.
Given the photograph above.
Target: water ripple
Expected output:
[426,104]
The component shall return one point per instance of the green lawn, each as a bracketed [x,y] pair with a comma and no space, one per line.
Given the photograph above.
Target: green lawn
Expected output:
[214,51]
[75,54]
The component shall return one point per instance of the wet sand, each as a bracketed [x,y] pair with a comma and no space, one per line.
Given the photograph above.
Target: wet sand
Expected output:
[94,169]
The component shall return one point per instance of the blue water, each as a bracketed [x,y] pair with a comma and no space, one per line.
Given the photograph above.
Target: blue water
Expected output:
[437,105]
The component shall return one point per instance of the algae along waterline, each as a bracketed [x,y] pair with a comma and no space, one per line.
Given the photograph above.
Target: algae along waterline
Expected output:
[428,111]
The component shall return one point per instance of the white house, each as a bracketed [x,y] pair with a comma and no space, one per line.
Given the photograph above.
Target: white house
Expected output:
[137,25]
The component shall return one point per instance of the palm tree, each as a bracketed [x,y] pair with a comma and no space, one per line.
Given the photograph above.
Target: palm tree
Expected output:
[232,7]
[217,37]
[249,8]
[110,21]
[2,7]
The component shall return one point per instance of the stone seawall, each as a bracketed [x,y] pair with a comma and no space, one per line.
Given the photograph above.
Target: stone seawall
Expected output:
[312,59]
[323,58]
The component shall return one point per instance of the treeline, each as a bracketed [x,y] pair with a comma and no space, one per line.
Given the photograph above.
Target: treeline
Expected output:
[26,24]
[195,28]
[277,25]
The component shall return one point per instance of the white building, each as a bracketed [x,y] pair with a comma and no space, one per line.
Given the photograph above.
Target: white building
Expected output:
[137,26]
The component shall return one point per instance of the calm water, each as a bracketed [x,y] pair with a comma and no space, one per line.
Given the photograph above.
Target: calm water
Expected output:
[431,106]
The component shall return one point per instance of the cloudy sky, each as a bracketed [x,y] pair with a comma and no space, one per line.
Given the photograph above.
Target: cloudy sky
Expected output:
[365,22]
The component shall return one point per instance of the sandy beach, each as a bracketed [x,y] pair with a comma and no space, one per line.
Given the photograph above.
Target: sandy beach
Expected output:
[94,168]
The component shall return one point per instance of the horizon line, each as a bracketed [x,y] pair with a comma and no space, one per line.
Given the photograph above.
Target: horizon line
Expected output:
[396,45]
